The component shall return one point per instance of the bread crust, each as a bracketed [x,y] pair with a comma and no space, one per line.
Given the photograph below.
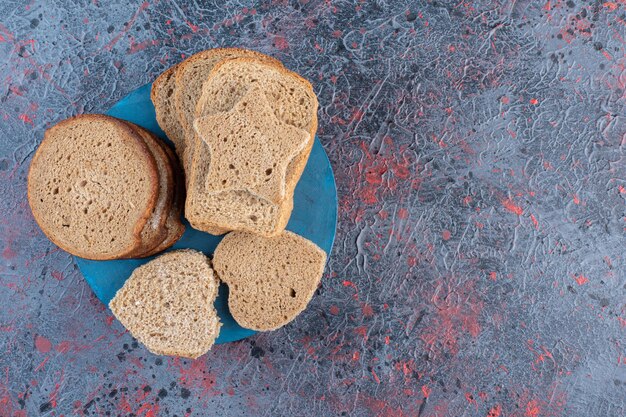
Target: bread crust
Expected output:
[152,238]
[175,228]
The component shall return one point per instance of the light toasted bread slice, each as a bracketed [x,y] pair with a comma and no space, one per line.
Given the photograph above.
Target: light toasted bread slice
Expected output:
[167,304]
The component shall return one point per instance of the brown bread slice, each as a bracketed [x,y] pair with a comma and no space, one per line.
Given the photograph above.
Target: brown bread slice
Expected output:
[92,186]
[250,148]
[154,232]
[175,228]
[270,280]
[190,75]
[162,96]
[294,103]
[167,304]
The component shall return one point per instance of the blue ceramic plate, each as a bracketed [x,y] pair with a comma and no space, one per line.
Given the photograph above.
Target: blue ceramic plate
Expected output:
[314,216]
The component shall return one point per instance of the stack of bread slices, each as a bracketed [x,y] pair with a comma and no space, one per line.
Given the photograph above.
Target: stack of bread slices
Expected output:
[243,127]
[103,188]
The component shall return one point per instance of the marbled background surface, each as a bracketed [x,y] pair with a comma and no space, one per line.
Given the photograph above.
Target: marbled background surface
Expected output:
[479,268]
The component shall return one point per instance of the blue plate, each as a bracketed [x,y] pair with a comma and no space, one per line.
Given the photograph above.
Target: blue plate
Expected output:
[314,216]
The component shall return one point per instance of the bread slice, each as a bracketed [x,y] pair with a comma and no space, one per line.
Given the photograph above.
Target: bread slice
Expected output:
[175,229]
[162,96]
[154,232]
[189,77]
[92,185]
[293,101]
[270,280]
[249,147]
[167,304]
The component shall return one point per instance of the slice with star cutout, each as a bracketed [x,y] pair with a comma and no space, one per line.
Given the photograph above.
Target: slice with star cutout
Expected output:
[250,148]
[293,102]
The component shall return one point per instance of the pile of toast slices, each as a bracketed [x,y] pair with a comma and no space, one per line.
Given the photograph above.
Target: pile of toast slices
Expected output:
[103,188]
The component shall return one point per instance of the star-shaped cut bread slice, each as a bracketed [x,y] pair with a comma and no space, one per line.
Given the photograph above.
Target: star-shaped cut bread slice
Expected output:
[250,148]
[167,304]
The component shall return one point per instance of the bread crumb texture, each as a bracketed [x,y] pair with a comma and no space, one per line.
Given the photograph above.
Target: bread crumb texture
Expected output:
[167,304]
[270,280]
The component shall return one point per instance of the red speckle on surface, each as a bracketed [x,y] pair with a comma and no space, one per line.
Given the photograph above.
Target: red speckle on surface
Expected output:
[454,317]
[446,235]
[534,220]
[8,253]
[42,344]
[281,43]
[361,331]
[197,375]
[426,391]
[493,275]
[403,213]
[63,347]
[148,410]
[194,28]
[532,409]
[495,411]
[334,310]
[368,311]
[534,101]
[131,23]
[580,279]
[26,118]
[140,46]
[57,275]
[512,207]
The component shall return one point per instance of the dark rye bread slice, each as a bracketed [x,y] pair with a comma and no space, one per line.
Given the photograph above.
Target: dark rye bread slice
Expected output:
[190,75]
[270,280]
[92,186]
[175,227]
[154,231]
[162,96]
[294,103]
[167,304]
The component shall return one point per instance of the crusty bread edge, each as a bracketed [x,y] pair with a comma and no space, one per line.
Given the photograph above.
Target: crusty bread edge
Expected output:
[162,235]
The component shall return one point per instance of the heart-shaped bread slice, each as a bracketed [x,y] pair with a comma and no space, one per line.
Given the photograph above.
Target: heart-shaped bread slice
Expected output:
[270,279]
[167,304]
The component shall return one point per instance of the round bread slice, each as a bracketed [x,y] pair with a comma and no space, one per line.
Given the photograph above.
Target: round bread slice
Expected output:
[154,232]
[175,228]
[92,185]
[167,304]
[270,280]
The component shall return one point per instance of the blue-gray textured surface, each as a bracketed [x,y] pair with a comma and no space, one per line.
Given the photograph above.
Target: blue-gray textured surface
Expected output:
[479,152]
